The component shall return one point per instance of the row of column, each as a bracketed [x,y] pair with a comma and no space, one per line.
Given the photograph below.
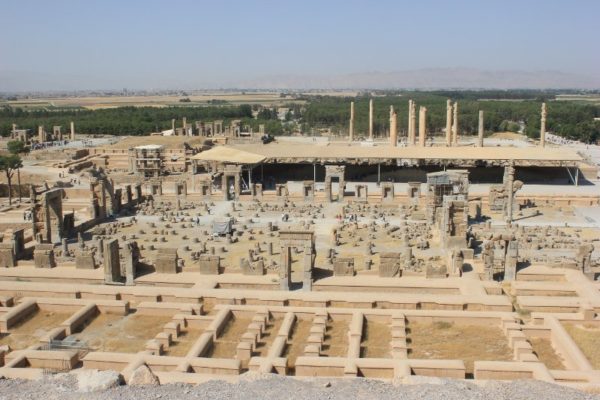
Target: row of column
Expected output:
[451,124]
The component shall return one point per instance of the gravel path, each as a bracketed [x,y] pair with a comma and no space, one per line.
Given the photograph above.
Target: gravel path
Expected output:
[276,387]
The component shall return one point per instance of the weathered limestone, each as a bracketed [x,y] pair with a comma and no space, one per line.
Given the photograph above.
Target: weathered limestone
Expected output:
[131,255]
[166,261]
[480,130]
[72,130]
[543,126]
[299,239]
[84,259]
[7,255]
[448,122]
[390,264]
[511,259]
[351,126]
[511,187]
[47,215]
[257,191]
[308,191]
[393,127]
[442,184]
[231,182]
[412,123]
[343,266]
[371,119]
[208,264]
[43,256]
[15,237]
[112,267]
[422,125]
[455,124]
[335,172]
[387,192]
[361,193]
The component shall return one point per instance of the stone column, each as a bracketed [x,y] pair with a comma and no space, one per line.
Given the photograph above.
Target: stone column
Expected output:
[448,122]
[371,119]
[72,130]
[413,123]
[285,279]
[455,124]
[422,125]
[393,127]
[510,174]
[408,133]
[307,276]
[480,131]
[173,125]
[112,266]
[41,133]
[543,126]
[351,127]
[130,263]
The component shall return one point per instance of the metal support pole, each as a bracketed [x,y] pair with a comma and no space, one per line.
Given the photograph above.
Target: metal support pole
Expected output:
[314,172]
[378,174]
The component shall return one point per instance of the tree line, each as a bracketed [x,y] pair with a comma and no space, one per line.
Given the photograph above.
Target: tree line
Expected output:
[570,119]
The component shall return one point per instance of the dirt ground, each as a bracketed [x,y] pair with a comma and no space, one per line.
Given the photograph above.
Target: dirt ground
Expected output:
[29,331]
[543,348]
[129,334]
[587,338]
[445,341]
[376,342]
[100,102]
[297,341]
[225,345]
[336,339]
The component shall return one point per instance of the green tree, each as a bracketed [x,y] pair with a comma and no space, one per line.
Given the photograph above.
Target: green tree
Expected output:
[8,164]
[16,147]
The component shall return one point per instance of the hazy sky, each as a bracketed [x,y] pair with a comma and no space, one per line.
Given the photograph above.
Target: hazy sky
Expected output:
[66,44]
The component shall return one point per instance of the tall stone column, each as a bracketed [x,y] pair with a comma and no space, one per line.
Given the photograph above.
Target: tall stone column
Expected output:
[455,124]
[448,122]
[173,125]
[351,127]
[408,132]
[393,127]
[480,131]
[510,174]
[422,125]
[413,123]
[41,133]
[543,126]
[371,119]
[72,130]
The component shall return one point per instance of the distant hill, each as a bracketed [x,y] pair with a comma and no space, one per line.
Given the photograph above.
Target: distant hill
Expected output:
[429,78]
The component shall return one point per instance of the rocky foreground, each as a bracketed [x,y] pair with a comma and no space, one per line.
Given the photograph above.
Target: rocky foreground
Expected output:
[104,385]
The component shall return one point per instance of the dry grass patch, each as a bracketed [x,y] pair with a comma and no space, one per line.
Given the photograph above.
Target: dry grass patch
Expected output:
[336,339]
[546,354]
[297,341]
[128,334]
[449,341]
[29,330]
[225,345]
[184,342]
[376,340]
[587,337]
